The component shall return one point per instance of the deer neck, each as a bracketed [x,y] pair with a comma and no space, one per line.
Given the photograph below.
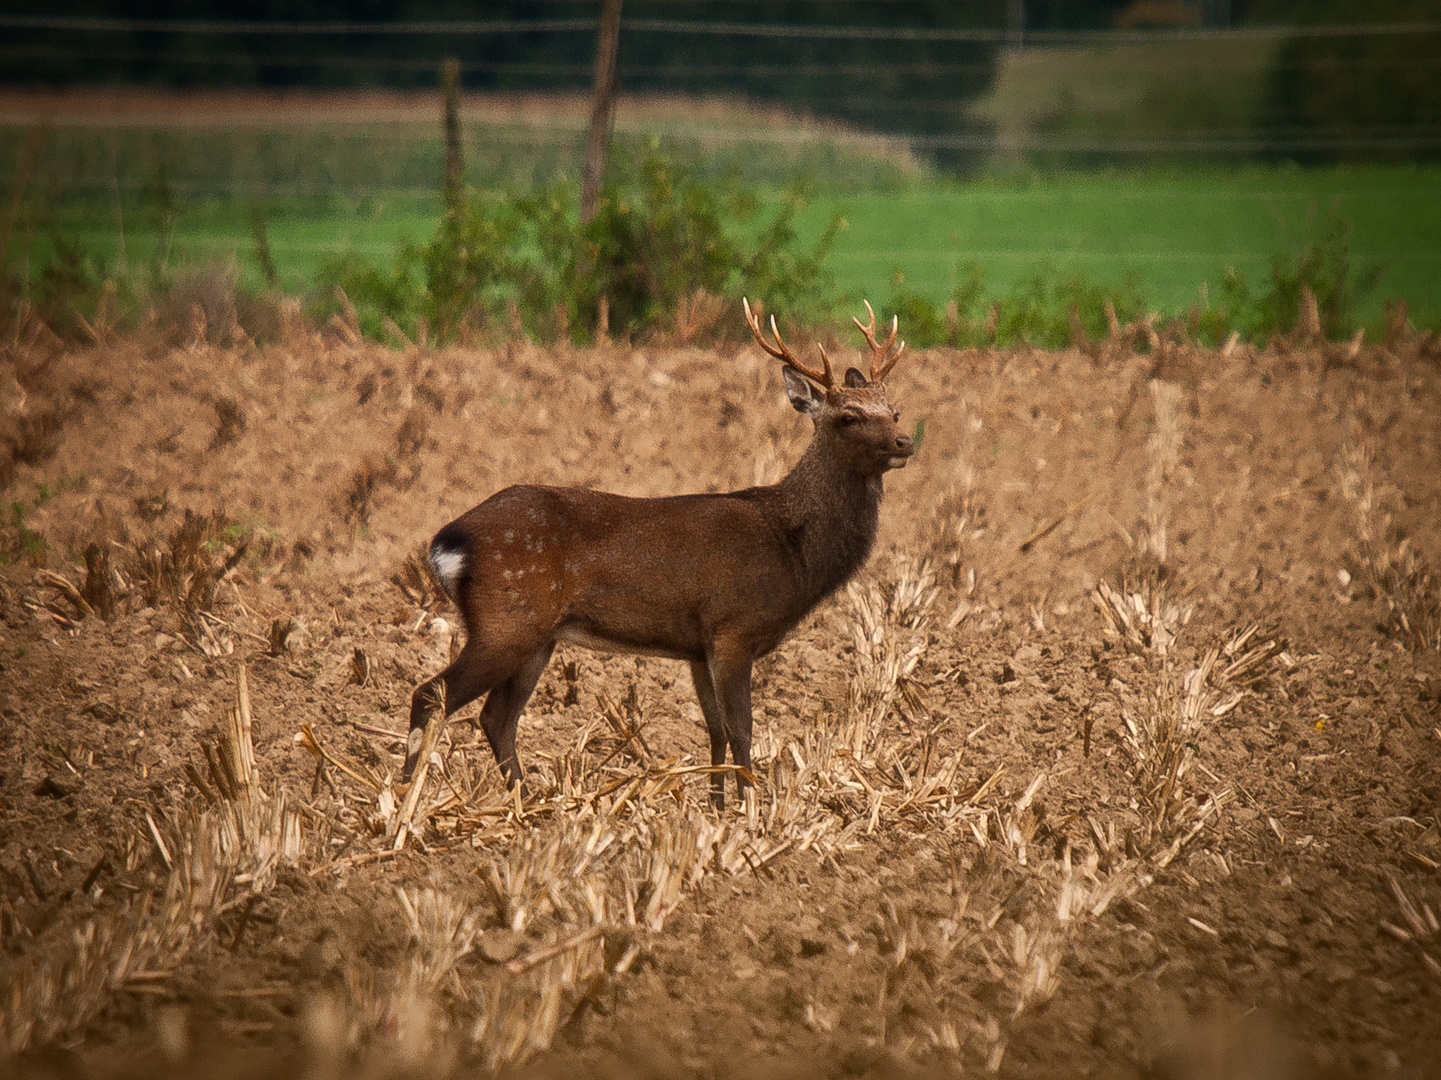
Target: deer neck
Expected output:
[831,514]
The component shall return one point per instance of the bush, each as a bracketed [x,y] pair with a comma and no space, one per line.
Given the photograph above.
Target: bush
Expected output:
[659,236]
[1325,267]
[1038,310]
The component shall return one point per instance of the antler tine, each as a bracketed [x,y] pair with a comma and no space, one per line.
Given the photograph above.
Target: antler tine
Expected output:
[826,378]
[885,369]
[830,376]
[756,332]
[881,363]
[782,352]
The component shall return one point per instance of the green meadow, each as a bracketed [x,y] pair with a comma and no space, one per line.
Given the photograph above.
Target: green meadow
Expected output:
[1174,232]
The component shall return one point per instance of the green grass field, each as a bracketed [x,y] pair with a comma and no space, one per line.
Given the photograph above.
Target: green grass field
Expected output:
[1173,231]
[1176,232]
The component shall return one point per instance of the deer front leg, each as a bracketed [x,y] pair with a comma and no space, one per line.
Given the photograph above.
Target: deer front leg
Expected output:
[715,726]
[730,673]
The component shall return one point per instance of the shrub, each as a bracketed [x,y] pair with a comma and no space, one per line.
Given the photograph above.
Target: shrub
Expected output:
[1325,266]
[1037,310]
[659,236]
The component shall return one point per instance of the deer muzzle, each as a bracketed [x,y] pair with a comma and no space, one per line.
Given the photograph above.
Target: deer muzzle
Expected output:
[904,448]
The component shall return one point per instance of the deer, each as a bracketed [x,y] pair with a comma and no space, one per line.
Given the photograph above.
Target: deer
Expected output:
[716,580]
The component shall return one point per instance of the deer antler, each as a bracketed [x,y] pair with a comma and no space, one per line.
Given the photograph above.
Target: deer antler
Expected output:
[881,363]
[782,352]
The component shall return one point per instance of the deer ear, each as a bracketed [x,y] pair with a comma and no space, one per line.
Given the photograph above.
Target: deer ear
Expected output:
[855,380]
[804,397]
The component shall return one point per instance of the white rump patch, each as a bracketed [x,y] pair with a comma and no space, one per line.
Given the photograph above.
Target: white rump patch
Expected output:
[448,565]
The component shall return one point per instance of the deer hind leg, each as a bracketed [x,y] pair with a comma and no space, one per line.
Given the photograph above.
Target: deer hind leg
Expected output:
[715,725]
[468,676]
[501,714]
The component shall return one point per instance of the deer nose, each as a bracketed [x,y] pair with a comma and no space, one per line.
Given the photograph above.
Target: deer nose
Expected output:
[905,445]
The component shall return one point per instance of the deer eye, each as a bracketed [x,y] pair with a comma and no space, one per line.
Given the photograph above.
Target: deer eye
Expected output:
[848,418]
[896,417]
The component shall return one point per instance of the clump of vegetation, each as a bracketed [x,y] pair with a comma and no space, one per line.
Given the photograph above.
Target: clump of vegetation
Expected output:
[659,237]
[1383,558]
[1050,311]
[1042,310]
[80,294]
[184,568]
[20,541]
[1325,267]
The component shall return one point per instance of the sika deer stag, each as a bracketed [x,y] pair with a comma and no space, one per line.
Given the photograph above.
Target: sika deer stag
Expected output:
[715,580]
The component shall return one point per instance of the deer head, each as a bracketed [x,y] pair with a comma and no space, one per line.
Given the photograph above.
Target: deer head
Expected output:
[855,424]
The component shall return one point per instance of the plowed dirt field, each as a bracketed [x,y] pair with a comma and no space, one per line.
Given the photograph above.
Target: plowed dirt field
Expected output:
[1119,759]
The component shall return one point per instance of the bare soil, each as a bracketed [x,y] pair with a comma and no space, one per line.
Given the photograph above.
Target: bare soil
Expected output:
[1273,940]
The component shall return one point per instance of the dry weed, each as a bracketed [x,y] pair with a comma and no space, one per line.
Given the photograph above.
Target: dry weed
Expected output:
[398,468]
[1163,741]
[957,522]
[1249,656]
[611,841]
[1383,558]
[442,932]
[887,624]
[1163,451]
[100,582]
[417,581]
[1146,620]
[696,315]
[1421,928]
[185,568]
[200,308]
[230,422]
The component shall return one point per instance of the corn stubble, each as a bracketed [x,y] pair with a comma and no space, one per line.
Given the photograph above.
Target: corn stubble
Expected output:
[217,860]
[1383,556]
